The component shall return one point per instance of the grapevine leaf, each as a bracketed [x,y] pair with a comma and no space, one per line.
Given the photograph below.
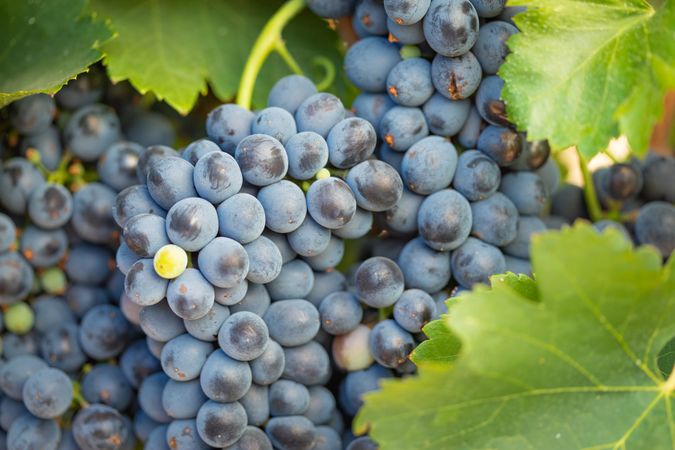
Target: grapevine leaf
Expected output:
[521,283]
[441,347]
[582,73]
[176,48]
[666,358]
[577,369]
[46,43]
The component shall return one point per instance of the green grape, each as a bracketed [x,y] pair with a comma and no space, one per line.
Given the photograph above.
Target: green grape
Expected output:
[170,261]
[323,173]
[410,51]
[19,318]
[53,281]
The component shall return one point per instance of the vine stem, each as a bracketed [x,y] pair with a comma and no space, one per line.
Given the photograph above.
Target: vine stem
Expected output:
[268,40]
[282,50]
[591,197]
[669,386]
[78,398]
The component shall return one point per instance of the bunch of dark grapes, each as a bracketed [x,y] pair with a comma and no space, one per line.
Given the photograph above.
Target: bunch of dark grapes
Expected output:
[637,196]
[474,189]
[72,361]
[228,247]
[275,271]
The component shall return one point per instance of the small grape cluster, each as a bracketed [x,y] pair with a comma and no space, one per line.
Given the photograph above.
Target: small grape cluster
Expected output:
[72,360]
[637,196]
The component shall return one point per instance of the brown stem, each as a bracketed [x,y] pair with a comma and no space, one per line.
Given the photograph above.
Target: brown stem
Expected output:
[664,129]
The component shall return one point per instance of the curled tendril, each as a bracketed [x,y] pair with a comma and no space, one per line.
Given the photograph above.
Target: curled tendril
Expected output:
[329,72]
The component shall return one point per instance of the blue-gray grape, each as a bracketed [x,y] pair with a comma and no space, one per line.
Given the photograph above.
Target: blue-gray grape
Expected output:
[292,322]
[190,295]
[319,113]
[369,61]
[475,262]
[409,82]
[268,367]
[351,141]
[227,125]
[291,433]
[192,223]
[379,282]
[284,206]
[221,424]
[243,336]
[403,126]
[655,225]
[444,220]
[184,356]
[406,12]
[224,379]
[494,220]
[217,177]
[456,78]
[290,91]
[375,184]
[223,262]
[307,154]
[331,202]
[340,313]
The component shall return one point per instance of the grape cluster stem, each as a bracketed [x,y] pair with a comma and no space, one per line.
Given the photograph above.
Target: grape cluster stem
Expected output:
[269,39]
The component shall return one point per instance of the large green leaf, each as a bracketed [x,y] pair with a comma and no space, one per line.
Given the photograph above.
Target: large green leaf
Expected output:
[576,369]
[45,43]
[176,48]
[583,72]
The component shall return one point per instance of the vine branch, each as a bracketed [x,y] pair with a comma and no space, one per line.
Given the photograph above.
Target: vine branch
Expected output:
[268,40]
[592,203]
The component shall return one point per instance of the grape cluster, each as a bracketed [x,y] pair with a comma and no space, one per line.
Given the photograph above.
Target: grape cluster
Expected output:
[72,360]
[246,291]
[638,196]
[228,248]
[474,190]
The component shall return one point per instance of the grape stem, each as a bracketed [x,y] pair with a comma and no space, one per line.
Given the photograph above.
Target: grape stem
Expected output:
[282,50]
[78,399]
[592,203]
[61,175]
[268,40]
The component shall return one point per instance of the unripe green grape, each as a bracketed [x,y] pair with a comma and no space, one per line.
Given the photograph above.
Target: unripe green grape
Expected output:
[410,51]
[170,261]
[53,281]
[19,318]
[323,173]
[351,351]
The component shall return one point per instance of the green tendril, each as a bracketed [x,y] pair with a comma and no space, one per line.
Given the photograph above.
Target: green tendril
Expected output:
[329,72]
[592,203]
